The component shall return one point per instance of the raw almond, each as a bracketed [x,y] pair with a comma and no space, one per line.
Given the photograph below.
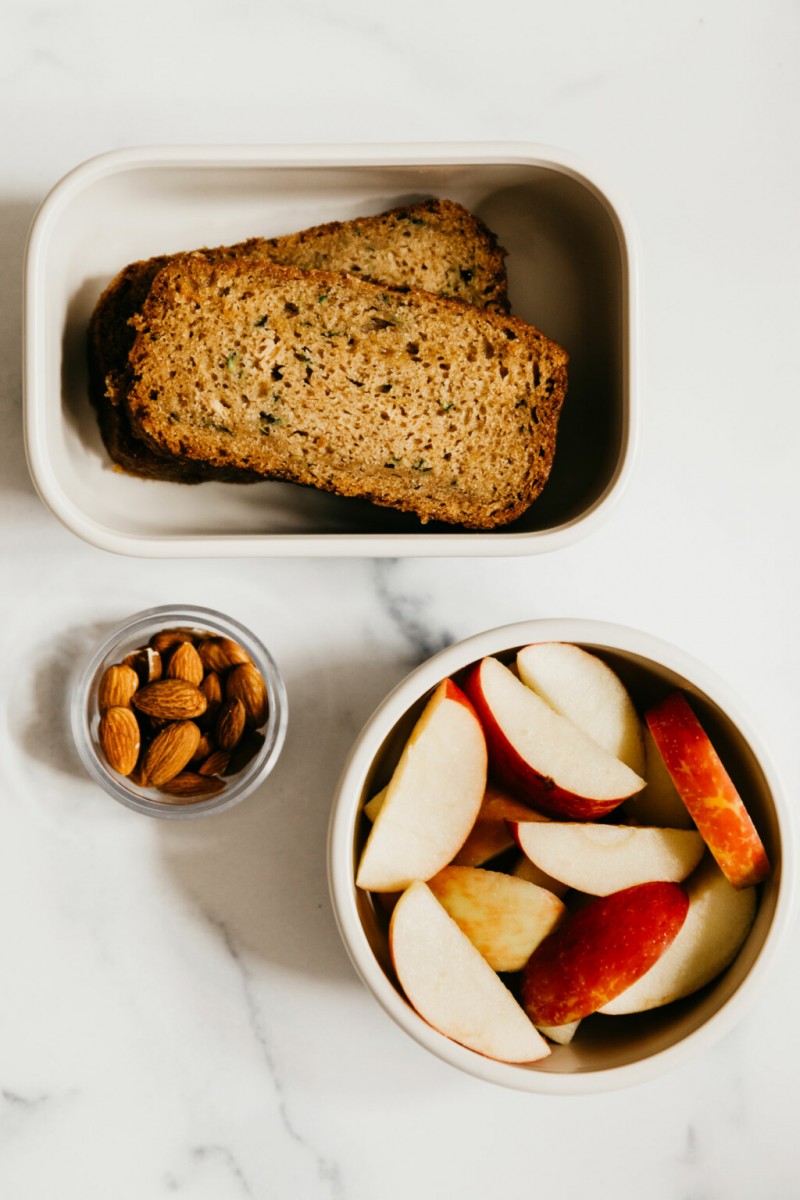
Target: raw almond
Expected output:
[246,683]
[137,775]
[169,752]
[146,663]
[230,723]
[190,786]
[171,699]
[165,639]
[221,653]
[150,726]
[245,751]
[205,748]
[184,663]
[120,739]
[117,687]
[211,688]
[215,764]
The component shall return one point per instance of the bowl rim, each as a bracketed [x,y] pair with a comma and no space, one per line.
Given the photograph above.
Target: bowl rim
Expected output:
[341,864]
[251,776]
[445,544]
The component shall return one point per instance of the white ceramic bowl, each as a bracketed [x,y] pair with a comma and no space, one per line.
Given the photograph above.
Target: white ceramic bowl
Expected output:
[571,273]
[614,1052]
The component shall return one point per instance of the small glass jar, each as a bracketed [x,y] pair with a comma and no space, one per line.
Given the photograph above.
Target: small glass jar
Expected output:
[135,633]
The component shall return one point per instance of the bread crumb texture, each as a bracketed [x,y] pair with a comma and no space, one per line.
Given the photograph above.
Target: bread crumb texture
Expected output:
[411,400]
[435,245]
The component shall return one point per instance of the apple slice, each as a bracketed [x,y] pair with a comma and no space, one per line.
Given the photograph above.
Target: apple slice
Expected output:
[716,925]
[451,985]
[585,690]
[562,1034]
[541,755]
[432,799]
[601,950]
[523,868]
[490,835]
[374,806]
[708,791]
[600,859]
[659,803]
[504,918]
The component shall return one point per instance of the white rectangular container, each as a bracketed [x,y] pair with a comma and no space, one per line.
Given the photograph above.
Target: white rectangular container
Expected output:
[571,273]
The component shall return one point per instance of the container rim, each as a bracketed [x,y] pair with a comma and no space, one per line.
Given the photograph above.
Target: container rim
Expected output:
[81,715]
[341,865]
[256,545]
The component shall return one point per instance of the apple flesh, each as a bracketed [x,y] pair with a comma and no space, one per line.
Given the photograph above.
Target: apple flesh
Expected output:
[374,806]
[708,791]
[504,918]
[540,755]
[600,951]
[561,1034]
[432,799]
[490,835]
[659,803]
[523,868]
[451,985]
[585,690]
[600,859]
[716,925]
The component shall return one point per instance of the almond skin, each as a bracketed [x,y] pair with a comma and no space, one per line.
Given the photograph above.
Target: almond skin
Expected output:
[205,748]
[245,751]
[230,723]
[137,775]
[189,786]
[146,663]
[215,764]
[221,653]
[246,683]
[182,711]
[184,663]
[211,687]
[117,687]
[120,739]
[165,639]
[171,700]
[169,752]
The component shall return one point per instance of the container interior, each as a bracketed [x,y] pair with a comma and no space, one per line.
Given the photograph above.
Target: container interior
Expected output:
[605,1043]
[568,274]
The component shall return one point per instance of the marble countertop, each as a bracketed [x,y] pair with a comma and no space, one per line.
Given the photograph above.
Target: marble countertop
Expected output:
[177,1014]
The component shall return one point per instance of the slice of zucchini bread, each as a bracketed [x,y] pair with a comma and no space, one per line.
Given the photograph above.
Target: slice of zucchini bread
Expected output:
[436,245]
[406,399]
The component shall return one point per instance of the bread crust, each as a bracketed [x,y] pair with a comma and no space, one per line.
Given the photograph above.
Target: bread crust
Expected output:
[410,400]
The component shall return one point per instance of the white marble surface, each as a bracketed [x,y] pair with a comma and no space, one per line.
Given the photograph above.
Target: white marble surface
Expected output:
[177,1015]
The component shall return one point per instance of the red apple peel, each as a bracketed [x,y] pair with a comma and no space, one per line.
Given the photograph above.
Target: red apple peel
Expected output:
[600,951]
[708,791]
